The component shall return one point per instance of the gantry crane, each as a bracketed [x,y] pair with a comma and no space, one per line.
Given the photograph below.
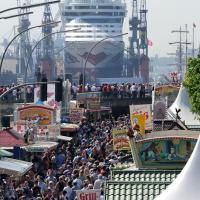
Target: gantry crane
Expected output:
[138,55]
[24,48]
[45,59]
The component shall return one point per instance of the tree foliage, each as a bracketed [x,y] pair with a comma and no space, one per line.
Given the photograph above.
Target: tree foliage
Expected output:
[192,83]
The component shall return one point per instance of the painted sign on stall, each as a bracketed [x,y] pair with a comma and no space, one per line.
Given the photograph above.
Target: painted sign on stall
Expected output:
[88,194]
[139,119]
[165,152]
[89,97]
[120,139]
[143,109]
[76,114]
[43,115]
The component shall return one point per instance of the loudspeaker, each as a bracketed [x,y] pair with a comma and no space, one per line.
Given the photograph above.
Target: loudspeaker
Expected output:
[16,152]
[43,90]
[81,79]
[59,90]
[5,121]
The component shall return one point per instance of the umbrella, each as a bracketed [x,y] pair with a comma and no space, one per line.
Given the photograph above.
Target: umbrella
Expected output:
[4,153]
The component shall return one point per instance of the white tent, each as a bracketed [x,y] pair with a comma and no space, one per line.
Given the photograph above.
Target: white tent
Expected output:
[187,185]
[182,102]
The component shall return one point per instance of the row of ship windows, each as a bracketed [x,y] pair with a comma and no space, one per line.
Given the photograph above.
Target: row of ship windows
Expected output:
[90,26]
[93,13]
[96,21]
[89,36]
[100,31]
[93,7]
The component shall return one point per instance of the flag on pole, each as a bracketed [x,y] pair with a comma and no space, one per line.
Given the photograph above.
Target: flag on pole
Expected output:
[194,25]
[150,43]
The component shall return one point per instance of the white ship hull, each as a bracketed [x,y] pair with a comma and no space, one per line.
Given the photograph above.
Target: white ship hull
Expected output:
[105,60]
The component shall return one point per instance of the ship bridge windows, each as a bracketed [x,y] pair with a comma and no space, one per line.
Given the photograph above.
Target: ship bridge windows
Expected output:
[82,7]
[70,13]
[105,13]
[85,7]
[105,7]
[68,7]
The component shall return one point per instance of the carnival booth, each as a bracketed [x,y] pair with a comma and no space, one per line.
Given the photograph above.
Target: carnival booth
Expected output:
[36,123]
[69,130]
[13,167]
[40,147]
[98,114]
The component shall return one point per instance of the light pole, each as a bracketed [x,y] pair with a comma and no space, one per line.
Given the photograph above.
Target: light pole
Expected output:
[109,37]
[27,64]
[38,26]
[28,6]
[64,57]
[18,15]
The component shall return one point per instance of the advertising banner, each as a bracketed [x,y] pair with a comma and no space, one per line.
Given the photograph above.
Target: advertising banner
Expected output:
[165,153]
[76,114]
[50,96]
[91,99]
[140,121]
[81,98]
[53,130]
[120,139]
[160,110]
[143,109]
[88,194]
[43,115]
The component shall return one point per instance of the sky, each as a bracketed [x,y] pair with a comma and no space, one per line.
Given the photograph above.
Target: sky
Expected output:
[163,16]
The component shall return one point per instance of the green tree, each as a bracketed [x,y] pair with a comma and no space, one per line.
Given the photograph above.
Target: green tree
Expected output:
[192,83]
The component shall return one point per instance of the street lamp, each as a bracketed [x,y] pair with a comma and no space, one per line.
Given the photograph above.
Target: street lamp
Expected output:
[18,15]
[27,65]
[28,6]
[38,26]
[112,36]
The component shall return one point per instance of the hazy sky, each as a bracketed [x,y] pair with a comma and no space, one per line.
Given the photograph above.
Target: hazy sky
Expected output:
[163,17]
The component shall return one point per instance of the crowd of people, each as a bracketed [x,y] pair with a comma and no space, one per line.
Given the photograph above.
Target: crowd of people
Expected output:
[120,91]
[17,95]
[83,164]
[124,90]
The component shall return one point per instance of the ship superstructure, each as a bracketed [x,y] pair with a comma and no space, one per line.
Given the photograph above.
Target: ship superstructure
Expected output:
[98,19]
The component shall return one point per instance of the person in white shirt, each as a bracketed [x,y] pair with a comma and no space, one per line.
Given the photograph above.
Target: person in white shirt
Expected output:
[93,88]
[98,183]
[68,191]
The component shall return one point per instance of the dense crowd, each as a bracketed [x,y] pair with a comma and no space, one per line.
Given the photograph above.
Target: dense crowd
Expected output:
[119,91]
[17,95]
[83,164]
[124,90]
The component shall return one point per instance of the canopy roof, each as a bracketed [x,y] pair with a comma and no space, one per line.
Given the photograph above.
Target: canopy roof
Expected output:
[4,153]
[182,103]
[64,138]
[41,146]
[10,138]
[186,185]
[14,167]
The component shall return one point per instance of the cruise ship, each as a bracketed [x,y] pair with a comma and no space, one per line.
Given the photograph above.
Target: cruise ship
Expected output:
[97,19]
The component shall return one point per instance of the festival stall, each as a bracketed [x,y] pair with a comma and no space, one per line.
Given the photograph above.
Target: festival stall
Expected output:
[166,149]
[96,114]
[14,167]
[69,130]
[40,147]
[4,153]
